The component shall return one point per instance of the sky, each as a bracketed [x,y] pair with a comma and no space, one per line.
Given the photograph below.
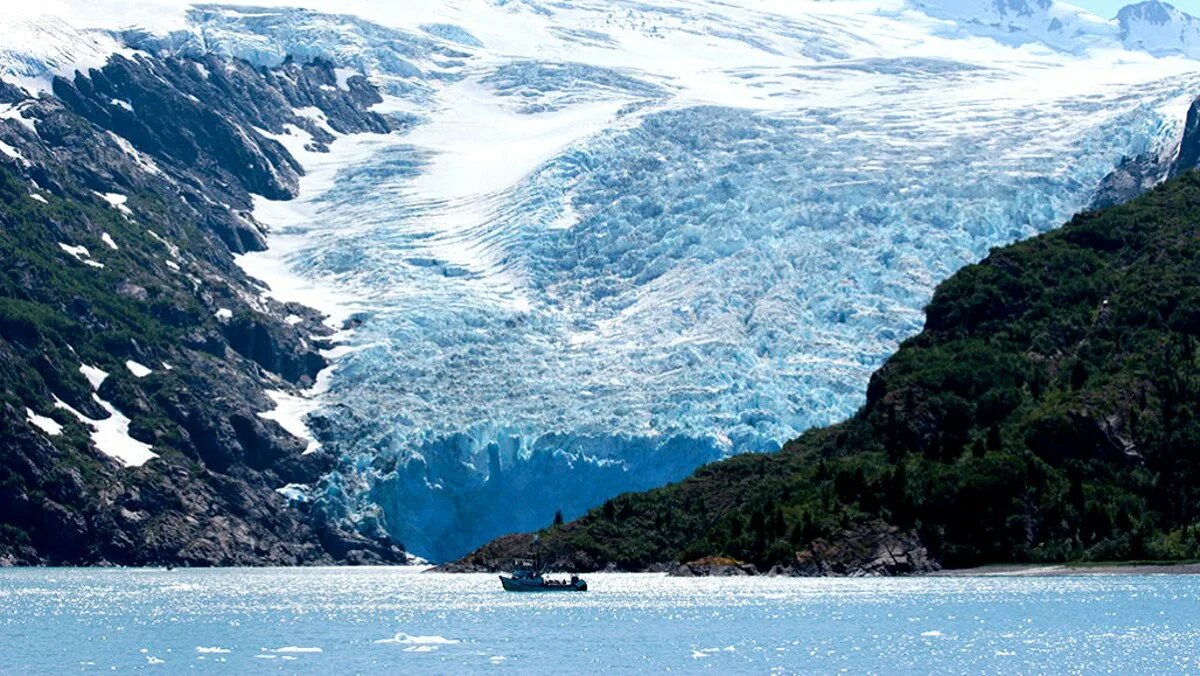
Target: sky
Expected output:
[1108,8]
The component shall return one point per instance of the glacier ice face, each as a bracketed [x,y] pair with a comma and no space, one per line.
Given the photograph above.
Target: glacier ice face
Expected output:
[616,245]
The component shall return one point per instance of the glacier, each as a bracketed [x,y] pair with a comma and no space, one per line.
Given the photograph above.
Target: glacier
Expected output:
[618,240]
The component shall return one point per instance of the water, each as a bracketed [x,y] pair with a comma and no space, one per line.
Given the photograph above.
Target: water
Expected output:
[374,619]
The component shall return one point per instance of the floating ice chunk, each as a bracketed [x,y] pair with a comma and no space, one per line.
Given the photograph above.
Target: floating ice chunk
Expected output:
[94,375]
[212,650]
[931,633]
[138,370]
[292,649]
[409,639]
[47,425]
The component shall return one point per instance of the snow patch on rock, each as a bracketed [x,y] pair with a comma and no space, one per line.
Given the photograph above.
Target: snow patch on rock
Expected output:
[47,425]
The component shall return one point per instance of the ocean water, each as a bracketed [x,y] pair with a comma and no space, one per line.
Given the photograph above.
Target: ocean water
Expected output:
[344,620]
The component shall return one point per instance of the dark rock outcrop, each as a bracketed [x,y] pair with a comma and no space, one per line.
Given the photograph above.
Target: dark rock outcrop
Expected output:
[1135,175]
[713,566]
[870,550]
[159,155]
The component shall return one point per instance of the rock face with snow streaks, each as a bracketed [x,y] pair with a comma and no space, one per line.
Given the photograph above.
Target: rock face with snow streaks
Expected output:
[133,352]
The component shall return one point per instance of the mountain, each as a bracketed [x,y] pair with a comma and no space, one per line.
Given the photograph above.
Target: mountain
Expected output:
[1049,411]
[1159,29]
[142,372]
[1018,22]
[468,264]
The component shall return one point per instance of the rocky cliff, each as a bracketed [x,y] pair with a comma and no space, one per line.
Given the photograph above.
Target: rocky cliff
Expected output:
[135,356]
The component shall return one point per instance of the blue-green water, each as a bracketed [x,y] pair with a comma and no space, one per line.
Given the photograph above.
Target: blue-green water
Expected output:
[340,620]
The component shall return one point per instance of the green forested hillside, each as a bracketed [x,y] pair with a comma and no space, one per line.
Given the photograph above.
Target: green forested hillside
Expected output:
[1048,411]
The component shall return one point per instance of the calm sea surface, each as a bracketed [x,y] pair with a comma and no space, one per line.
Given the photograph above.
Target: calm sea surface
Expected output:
[345,620]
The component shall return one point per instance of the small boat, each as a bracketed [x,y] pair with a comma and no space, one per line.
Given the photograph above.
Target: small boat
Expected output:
[525,578]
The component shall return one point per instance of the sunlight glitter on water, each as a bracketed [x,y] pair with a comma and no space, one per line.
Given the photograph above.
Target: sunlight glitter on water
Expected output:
[372,619]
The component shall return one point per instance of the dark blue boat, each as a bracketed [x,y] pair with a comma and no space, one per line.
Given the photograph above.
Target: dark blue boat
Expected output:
[525,578]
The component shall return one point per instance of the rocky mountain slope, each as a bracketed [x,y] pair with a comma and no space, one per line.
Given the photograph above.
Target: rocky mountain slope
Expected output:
[1049,411]
[136,359]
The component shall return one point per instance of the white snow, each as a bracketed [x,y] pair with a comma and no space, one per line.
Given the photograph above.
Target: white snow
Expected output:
[47,425]
[12,152]
[343,77]
[117,201]
[224,314]
[35,45]
[81,254]
[78,251]
[108,240]
[138,370]
[121,103]
[94,375]
[294,492]
[172,248]
[293,319]
[111,435]
[14,111]
[290,411]
[142,160]
[38,198]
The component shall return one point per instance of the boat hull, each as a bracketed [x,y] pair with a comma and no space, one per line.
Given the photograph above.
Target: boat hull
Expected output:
[538,585]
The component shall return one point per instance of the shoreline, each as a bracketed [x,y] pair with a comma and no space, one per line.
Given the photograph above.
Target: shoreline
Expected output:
[989,570]
[1073,569]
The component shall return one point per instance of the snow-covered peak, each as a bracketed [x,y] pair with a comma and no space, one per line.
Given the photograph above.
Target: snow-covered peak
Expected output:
[1160,29]
[33,51]
[1016,22]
